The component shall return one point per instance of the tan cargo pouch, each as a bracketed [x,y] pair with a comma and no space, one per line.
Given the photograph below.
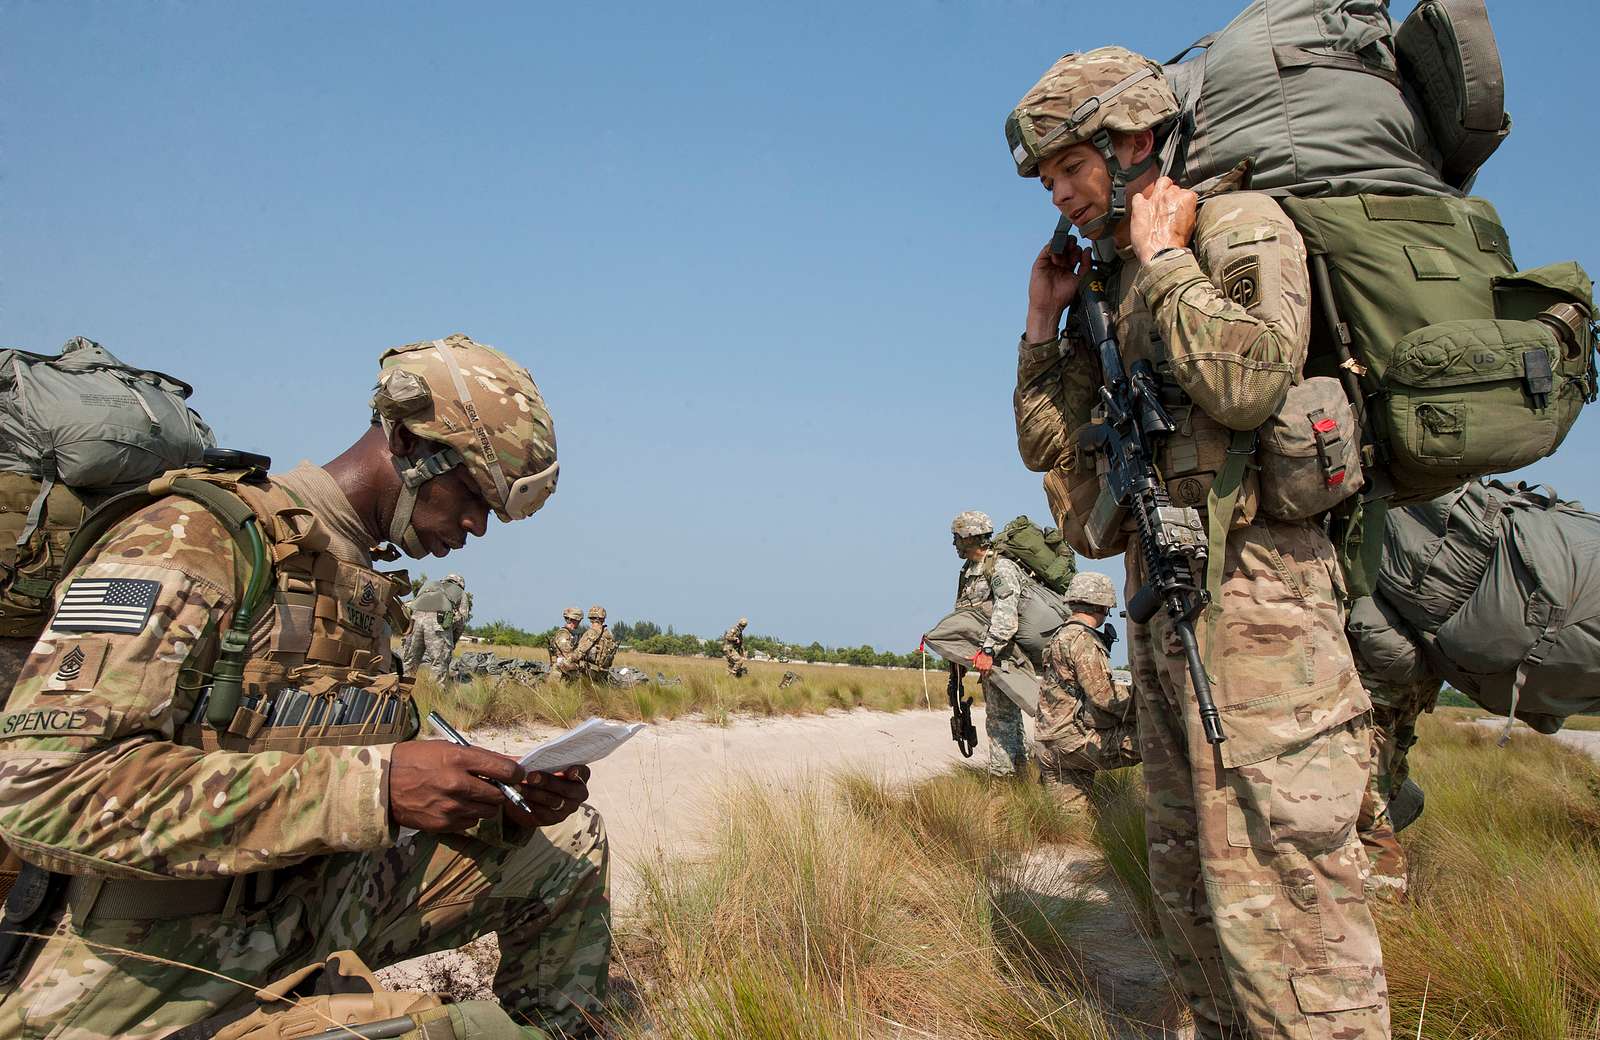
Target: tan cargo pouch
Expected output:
[1310,451]
[30,567]
[341,998]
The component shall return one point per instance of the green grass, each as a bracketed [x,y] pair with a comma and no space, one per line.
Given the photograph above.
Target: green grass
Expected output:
[706,689]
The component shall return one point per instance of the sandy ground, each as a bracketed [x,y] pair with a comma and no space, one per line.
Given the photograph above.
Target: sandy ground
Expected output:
[1583,739]
[660,792]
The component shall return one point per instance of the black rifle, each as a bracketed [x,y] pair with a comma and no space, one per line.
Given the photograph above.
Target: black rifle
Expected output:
[961,728]
[1172,540]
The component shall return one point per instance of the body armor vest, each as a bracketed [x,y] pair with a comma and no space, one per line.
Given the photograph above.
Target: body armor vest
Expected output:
[318,670]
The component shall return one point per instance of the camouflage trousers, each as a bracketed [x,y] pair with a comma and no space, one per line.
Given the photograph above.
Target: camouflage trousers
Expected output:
[430,643]
[1069,760]
[1002,723]
[13,652]
[547,898]
[1395,710]
[1254,860]
[738,664]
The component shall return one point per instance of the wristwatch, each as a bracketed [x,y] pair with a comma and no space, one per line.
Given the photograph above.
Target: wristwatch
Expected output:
[1167,249]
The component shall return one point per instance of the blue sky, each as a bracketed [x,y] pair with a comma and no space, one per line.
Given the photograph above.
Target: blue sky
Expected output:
[768,265]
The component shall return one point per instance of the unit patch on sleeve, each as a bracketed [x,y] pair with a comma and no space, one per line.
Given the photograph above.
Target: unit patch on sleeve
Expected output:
[106,605]
[1241,280]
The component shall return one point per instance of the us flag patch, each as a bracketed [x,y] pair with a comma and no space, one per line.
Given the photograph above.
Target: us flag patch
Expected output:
[106,605]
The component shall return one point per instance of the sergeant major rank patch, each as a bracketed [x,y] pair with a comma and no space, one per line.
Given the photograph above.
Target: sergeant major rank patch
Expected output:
[106,605]
[1241,280]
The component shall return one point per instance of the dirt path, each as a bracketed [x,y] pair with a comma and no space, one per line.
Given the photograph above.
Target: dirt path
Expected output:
[661,791]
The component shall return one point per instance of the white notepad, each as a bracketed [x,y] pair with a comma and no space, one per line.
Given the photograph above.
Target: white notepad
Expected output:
[588,741]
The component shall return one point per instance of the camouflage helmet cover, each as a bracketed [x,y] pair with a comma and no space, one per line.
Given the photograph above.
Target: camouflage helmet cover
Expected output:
[1109,88]
[572,614]
[1092,589]
[744,622]
[597,613]
[484,408]
[458,579]
[971,524]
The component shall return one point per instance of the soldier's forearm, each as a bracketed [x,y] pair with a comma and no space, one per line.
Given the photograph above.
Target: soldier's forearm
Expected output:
[161,810]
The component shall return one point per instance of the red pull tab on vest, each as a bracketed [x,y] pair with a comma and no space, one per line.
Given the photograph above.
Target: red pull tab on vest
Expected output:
[1325,425]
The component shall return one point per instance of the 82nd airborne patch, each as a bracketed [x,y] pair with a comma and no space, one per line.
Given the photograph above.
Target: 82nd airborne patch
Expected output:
[1241,280]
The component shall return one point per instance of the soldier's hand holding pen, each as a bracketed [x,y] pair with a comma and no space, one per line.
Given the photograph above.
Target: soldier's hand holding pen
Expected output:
[440,787]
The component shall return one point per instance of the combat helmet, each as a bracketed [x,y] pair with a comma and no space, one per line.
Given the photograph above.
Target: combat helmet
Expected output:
[597,613]
[972,524]
[1092,589]
[458,579]
[476,408]
[1086,97]
[744,622]
[572,614]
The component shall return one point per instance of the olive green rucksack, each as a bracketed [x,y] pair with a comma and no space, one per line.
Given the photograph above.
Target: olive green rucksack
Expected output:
[1462,365]
[1043,553]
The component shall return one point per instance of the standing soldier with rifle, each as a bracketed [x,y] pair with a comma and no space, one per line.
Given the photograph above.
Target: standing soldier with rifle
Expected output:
[992,585]
[1187,333]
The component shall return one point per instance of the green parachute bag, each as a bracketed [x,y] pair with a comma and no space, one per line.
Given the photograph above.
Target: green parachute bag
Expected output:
[1042,552]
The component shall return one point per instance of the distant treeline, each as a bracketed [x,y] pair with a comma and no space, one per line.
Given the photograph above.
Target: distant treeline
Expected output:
[647,637]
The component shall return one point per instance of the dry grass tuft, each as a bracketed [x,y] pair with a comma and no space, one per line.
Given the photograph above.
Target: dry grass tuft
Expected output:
[854,911]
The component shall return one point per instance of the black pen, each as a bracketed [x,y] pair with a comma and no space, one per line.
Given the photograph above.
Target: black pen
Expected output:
[456,738]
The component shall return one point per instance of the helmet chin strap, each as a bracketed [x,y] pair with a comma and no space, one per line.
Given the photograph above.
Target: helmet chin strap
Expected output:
[413,474]
[1105,225]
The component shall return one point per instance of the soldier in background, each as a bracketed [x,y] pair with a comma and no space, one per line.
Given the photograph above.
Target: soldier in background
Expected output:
[1086,720]
[597,648]
[463,618]
[733,649]
[1254,859]
[260,856]
[992,585]
[564,645]
[438,616]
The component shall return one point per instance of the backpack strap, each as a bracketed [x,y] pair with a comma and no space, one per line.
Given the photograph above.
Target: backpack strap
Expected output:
[1221,502]
[1542,646]
[47,478]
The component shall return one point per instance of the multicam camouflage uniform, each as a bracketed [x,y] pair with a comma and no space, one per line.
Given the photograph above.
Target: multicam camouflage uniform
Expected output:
[597,648]
[1086,720]
[250,851]
[564,646]
[437,618]
[13,652]
[993,585]
[1254,858]
[733,649]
